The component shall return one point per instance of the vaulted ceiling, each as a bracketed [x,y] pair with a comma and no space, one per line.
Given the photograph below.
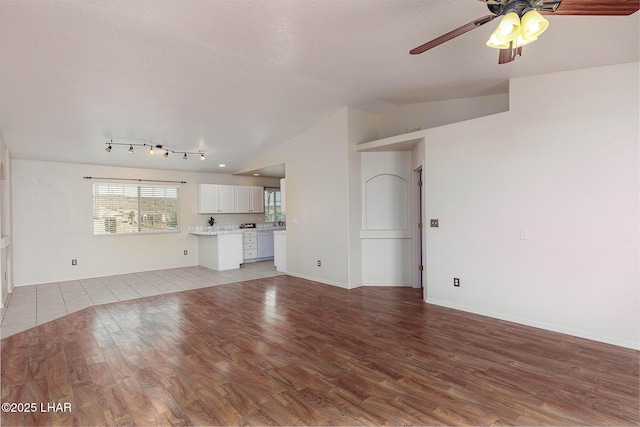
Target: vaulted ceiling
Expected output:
[235,78]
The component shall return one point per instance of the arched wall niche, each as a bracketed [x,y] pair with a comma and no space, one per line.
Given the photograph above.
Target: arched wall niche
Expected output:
[386,203]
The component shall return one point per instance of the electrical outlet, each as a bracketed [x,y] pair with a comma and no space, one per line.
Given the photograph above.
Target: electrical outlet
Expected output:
[456,282]
[186,252]
[74,262]
[319,263]
[435,223]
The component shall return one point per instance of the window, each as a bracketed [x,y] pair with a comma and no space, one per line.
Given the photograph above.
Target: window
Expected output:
[272,208]
[130,208]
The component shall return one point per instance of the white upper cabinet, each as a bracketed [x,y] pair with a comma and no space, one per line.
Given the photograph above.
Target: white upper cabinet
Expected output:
[256,199]
[207,198]
[216,198]
[243,199]
[226,199]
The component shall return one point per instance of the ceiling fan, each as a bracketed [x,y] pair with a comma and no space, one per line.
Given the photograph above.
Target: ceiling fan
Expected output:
[522,21]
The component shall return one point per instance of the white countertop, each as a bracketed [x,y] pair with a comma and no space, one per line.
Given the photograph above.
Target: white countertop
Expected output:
[215,233]
[206,231]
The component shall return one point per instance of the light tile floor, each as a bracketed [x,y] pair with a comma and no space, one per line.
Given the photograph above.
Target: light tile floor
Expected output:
[34,305]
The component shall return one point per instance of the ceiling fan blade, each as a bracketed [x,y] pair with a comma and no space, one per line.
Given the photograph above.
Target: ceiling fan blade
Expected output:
[593,7]
[506,55]
[509,54]
[452,34]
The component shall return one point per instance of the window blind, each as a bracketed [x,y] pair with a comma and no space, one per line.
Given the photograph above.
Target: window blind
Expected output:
[131,208]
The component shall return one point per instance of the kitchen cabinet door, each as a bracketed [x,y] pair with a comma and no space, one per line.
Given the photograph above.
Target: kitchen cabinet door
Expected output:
[214,198]
[243,199]
[256,199]
[207,198]
[226,199]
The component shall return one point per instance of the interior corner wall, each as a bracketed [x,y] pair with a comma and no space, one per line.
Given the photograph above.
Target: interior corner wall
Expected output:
[539,207]
[363,127]
[52,223]
[316,164]
[6,256]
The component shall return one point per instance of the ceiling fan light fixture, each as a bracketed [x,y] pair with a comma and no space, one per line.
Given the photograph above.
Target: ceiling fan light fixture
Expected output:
[496,43]
[521,41]
[533,24]
[509,27]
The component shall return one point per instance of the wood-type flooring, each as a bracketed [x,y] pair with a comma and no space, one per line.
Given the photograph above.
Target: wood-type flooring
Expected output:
[287,351]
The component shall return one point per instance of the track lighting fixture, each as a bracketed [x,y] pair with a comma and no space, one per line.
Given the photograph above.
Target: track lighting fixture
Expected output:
[151,149]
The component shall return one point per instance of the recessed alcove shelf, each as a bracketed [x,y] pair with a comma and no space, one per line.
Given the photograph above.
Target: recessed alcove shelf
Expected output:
[404,142]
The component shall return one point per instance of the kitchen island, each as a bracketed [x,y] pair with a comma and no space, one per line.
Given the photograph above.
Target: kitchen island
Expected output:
[219,250]
[280,250]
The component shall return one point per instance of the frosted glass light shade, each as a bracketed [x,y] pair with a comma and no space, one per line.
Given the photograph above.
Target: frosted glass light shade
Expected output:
[533,24]
[521,41]
[495,42]
[509,27]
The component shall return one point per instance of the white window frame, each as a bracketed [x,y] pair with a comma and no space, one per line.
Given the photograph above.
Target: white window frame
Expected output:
[272,208]
[111,201]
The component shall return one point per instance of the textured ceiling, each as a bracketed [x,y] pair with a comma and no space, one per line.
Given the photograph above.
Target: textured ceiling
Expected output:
[237,78]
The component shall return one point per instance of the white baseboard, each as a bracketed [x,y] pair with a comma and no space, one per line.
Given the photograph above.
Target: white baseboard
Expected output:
[547,326]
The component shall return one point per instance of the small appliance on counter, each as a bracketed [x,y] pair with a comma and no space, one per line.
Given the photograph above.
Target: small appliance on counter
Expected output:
[248,225]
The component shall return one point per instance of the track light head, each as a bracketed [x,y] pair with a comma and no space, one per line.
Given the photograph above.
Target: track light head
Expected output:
[130,149]
[108,149]
[202,156]
[184,157]
[151,150]
[166,154]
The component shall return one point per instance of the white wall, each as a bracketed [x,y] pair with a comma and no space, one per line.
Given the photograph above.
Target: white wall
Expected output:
[561,169]
[52,223]
[316,164]
[363,126]
[323,196]
[6,274]
[427,115]
[539,207]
